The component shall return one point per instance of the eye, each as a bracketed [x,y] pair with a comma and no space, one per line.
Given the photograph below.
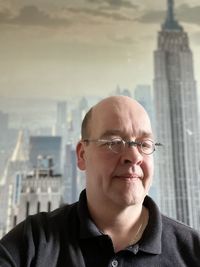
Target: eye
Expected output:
[146,144]
[115,141]
[116,145]
[105,142]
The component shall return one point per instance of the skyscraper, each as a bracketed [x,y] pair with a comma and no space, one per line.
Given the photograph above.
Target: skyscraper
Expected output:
[16,165]
[3,121]
[176,108]
[61,120]
[38,191]
[143,94]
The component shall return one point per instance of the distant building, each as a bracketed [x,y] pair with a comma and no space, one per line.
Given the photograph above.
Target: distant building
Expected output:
[30,188]
[40,190]
[83,104]
[143,95]
[77,115]
[10,183]
[4,132]
[124,92]
[70,175]
[45,146]
[3,121]
[177,120]
[61,118]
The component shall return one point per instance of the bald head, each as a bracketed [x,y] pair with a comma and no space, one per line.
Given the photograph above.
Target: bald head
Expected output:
[109,106]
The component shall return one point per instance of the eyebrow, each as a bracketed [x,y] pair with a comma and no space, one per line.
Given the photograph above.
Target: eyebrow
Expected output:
[142,134]
[145,134]
[111,132]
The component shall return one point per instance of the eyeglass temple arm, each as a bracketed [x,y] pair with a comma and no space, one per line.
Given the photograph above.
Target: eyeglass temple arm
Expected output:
[158,144]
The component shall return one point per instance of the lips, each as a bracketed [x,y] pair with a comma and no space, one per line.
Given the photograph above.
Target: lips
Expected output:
[130,176]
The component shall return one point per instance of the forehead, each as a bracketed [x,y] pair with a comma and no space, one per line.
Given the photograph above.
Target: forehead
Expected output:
[120,116]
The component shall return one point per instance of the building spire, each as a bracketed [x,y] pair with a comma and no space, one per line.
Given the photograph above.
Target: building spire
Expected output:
[171,23]
[19,153]
[170,11]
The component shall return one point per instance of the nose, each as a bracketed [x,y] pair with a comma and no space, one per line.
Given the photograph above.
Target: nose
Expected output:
[131,155]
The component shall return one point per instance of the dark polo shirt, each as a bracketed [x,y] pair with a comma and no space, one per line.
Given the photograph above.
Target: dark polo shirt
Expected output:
[68,237]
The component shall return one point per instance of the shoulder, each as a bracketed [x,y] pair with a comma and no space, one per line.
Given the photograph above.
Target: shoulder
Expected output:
[56,221]
[170,228]
[177,226]
[59,216]
[183,234]
[174,235]
[41,238]
[44,225]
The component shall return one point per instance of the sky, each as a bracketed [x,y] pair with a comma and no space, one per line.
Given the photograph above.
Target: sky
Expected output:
[63,48]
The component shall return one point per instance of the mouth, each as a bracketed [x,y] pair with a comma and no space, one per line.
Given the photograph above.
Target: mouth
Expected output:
[128,176]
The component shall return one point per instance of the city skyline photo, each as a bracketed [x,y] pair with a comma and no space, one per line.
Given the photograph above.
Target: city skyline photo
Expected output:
[58,58]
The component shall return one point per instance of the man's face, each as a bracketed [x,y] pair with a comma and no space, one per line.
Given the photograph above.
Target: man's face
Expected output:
[121,179]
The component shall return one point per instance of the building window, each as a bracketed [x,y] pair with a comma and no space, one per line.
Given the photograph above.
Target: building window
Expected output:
[38,206]
[49,206]
[14,220]
[27,208]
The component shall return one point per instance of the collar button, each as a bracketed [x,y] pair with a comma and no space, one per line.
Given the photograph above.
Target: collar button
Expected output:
[114,263]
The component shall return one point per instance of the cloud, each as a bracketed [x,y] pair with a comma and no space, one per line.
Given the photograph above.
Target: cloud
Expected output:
[99,13]
[122,40]
[184,13]
[189,14]
[114,3]
[5,16]
[152,16]
[31,15]
[196,38]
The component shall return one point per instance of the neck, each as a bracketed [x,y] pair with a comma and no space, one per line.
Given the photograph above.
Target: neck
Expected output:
[106,213]
[124,226]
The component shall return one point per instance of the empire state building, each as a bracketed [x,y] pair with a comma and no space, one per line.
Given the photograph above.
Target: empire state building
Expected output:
[176,108]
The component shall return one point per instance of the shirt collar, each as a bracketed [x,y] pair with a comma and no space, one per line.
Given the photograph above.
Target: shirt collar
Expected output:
[151,239]
[87,227]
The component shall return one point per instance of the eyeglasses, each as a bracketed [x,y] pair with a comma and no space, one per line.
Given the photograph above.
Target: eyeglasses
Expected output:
[117,145]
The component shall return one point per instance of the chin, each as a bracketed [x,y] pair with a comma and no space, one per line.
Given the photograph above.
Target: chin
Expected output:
[127,202]
[138,199]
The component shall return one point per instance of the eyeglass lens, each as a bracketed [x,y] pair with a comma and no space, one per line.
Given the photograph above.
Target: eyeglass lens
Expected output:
[147,146]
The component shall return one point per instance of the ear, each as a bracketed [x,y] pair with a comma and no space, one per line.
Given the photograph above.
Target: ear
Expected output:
[80,154]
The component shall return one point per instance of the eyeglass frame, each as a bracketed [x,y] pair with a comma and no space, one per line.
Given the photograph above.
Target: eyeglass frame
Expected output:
[130,144]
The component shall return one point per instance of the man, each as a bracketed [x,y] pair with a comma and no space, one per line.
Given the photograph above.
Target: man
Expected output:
[114,223]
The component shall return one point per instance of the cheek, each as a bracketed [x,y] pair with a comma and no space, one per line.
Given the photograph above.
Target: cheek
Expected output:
[101,163]
[148,167]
